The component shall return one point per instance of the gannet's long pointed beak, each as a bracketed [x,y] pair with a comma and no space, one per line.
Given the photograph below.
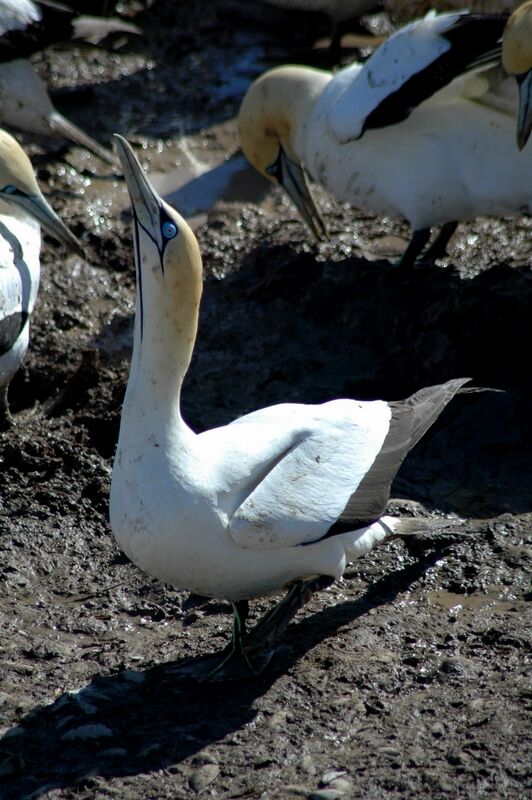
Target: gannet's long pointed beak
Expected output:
[524,114]
[145,201]
[66,129]
[294,180]
[36,205]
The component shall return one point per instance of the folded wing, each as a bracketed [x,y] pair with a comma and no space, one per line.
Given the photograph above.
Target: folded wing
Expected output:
[337,477]
[411,66]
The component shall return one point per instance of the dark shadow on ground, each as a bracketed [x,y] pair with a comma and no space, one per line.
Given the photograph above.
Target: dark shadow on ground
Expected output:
[134,722]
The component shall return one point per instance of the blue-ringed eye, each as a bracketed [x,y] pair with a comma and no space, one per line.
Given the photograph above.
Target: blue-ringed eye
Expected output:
[169,230]
[9,189]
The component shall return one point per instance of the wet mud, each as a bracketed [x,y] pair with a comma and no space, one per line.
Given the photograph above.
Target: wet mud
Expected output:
[405,680]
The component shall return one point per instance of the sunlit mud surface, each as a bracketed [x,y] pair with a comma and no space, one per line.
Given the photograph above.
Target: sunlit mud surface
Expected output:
[405,680]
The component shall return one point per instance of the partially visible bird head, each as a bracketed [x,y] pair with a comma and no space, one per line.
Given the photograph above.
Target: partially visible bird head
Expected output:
[273,109]
[167,253]
[517,61]
[19,189]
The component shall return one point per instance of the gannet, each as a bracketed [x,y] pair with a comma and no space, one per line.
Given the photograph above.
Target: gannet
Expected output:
[26,27]
[23,209]
[391,137]
[517,61]
[283,497]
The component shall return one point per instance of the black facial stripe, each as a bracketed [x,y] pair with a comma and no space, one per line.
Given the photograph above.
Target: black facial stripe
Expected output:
[163,217]
[136,225]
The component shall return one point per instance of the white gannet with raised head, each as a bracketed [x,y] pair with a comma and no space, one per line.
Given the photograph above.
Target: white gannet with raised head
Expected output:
[517,61]
[406,134]
[26,27]
[283,497]
[23,210]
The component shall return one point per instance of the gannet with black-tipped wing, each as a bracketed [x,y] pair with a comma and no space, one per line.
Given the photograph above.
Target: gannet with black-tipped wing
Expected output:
[23,210]
[421,131]
[283,497]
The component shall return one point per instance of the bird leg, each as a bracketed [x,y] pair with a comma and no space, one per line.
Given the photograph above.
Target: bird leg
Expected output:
[236,646]
[438,248]
[268,629]
[417,243]
[248,655]
[6,419]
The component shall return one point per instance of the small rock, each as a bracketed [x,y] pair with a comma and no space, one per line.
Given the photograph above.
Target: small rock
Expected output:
[331,776]
[307,765]
[203,777]
[437,730]
[88,732]
[341,785]
[296,788]
[204,757]
[326,794]
[262,758]
[387,750]
[277,719]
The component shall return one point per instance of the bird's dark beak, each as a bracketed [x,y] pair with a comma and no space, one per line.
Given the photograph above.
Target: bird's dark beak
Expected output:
[145,202]
[41,210]
[294,180]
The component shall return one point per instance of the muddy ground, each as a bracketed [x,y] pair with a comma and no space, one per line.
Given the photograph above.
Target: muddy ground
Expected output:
[406,680]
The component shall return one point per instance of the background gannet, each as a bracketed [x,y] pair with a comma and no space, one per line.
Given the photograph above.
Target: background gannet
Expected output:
[282,497]
[391,137]
[26,27]
[517,61]
[340,11]
[22,210]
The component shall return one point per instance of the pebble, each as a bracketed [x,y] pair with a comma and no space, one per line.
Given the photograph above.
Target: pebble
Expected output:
[438,730]
[331,776]
[88,732]
[203,777]
[277,719]
[389,751]
[341,785]
[307,765]
[326,794]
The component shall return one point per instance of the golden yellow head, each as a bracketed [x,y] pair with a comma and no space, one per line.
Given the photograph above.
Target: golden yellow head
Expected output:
[517,41]
[15,166]
[167,253]
[20,190]
[271,116]
[274,107]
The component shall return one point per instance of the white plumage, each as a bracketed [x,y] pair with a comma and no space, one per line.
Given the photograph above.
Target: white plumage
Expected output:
[22,210]
[281,495]
[396,135]
[15,15]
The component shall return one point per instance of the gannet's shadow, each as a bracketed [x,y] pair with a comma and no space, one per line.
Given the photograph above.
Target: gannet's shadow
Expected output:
[133,722]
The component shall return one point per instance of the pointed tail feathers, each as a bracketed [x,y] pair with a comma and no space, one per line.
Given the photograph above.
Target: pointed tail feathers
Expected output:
[428,403]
